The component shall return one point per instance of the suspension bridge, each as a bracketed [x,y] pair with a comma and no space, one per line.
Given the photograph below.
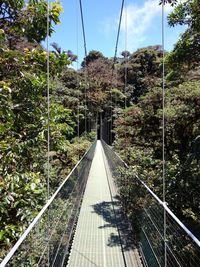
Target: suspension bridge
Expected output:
[84,223]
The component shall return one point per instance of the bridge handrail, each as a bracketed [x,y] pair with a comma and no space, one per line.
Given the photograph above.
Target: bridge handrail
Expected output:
[38,217]
[189,233]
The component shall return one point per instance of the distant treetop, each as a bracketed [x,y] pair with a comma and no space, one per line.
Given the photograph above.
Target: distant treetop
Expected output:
[92,56]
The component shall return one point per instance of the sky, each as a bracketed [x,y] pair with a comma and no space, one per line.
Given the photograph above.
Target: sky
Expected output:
[141,26]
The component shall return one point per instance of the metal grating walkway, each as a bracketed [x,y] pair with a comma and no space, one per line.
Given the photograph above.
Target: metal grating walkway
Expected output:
[100,228]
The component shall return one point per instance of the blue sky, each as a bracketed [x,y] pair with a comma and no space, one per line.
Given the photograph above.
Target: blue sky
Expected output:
[141,21]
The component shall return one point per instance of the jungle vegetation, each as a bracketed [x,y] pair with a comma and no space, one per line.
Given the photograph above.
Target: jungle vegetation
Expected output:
[77,98]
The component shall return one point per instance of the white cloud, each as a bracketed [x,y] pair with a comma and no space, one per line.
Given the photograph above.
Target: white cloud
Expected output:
[107,26]
[137,20]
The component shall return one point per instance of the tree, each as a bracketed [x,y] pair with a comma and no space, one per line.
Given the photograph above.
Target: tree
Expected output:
[172,2]
[143,70]
[185,55]
[91,57]
[23,121]
[27,21]
[139,140]
[125,54]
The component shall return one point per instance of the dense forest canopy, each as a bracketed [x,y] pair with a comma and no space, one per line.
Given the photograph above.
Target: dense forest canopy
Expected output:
[23,115]
[78,99]
[139,126]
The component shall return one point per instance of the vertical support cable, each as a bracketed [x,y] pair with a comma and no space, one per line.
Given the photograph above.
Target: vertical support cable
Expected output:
[77,67]
[163,131]
[48,107]
[85,93]
[85,87]
[125,83]
[116,76]
[111,119]
[126,56]
[48,134]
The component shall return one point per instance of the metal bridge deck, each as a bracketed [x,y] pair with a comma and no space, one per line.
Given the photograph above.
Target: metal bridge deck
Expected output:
[101,237]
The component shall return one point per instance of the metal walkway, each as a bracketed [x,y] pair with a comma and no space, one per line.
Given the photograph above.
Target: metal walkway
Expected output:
[101,234]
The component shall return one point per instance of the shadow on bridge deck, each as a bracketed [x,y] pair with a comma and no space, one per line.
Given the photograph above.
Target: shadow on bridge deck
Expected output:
[114,218]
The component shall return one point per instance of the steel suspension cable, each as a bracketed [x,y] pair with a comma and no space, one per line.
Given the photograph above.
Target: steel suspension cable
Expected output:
[85,93]
[163,132]
[126,56]
[83,27]
[48,130]
[48,105]
[125,74]
[118,32]
[114,60]
[85,71]
[77,67]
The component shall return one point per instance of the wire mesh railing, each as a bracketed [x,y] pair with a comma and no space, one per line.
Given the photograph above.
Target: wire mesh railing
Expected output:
[181,248]
[47,240]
